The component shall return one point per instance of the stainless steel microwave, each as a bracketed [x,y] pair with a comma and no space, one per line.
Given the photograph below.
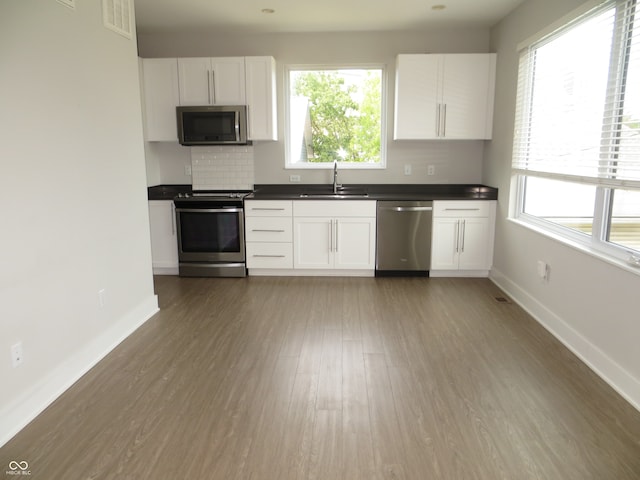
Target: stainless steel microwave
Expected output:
[212,125]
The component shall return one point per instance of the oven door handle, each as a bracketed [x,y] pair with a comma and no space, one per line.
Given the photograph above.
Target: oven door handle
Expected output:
[210,210]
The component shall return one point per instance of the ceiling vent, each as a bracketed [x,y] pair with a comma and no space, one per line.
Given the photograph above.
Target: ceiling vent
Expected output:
[116,15]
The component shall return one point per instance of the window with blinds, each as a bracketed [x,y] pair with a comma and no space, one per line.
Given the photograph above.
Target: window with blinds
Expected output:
[577,138]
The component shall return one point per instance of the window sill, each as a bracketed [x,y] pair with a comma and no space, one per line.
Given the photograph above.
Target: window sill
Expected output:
[329,166]
[581,247]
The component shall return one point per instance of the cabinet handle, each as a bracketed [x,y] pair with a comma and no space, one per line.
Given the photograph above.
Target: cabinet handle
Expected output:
[265,230]
[173,219]
[331,237]
[464,231]
[407,209]
[444,120]
[266,208]
[268,256]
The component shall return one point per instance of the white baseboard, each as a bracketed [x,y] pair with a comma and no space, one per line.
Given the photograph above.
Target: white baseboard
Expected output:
[172,270]
[458,273]
[606,368]
[27,406]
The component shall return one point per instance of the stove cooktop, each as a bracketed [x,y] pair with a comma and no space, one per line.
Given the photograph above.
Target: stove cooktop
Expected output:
[214,195]
[203,198]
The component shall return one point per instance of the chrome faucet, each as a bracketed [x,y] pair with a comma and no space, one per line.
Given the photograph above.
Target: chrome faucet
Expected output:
[336,185]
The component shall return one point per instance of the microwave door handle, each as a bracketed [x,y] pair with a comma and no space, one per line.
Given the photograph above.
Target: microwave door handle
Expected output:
[237,126]
[213,87]
[249,122]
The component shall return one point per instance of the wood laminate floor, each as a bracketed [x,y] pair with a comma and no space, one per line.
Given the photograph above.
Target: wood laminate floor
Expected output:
[335,378]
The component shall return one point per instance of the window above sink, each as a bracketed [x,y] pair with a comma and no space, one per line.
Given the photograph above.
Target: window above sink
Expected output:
[335,114]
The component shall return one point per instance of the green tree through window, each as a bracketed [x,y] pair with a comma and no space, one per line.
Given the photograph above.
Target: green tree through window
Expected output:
[335,115]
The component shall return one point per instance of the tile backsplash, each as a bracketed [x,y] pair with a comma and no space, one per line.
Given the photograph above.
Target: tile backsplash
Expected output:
[222,168]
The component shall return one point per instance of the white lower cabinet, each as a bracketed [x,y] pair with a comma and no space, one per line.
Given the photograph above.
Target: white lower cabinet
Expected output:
[164,238]
[334,235]
[462,242]
[268,234]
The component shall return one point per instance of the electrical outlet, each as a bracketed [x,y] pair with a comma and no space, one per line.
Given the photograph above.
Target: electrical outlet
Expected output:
[187,170]
[16,354]
[431,170]
[102,298]
[543,270]
[407,169]
[294,178]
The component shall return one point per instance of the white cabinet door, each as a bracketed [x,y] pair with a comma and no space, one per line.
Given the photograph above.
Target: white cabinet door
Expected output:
[444,244]
[416,97]
[160,95]
[355,243]
[211,81]
[474,244]
[313,242]
[467,96]
[229,86]
[261,98]
[444,96]
[164,239]
[195,81]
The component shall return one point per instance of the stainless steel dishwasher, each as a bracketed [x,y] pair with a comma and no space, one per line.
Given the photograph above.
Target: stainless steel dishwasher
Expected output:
[403,237]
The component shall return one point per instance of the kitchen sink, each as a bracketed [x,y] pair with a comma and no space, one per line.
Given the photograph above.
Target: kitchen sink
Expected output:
[335,195]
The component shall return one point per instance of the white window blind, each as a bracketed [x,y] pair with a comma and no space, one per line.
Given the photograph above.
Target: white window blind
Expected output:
[578,105]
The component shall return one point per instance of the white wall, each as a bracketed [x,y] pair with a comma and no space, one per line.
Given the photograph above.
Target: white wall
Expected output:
[73,199]
[590,305]
[455,161]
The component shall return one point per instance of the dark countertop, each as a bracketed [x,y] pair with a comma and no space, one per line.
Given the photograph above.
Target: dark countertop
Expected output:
[378,192]
[166,192]
[373,191]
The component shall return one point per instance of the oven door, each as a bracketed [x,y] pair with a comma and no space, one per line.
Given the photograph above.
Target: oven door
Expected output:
[210,235]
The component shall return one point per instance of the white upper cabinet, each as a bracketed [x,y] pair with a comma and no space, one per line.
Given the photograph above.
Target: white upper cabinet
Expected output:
[444,96]
[160,96]
[212,81]
[261,98]
[171,82]
[417,101]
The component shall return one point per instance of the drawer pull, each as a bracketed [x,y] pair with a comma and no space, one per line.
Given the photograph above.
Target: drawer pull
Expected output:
[268,256]
[266,208]
[265,230]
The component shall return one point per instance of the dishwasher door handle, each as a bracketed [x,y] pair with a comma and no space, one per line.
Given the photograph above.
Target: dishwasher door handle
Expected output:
[407,209]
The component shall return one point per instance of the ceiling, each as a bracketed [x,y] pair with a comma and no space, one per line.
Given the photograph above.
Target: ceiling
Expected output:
[248,17]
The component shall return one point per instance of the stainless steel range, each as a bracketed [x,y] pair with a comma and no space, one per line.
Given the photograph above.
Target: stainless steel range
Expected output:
[211,234]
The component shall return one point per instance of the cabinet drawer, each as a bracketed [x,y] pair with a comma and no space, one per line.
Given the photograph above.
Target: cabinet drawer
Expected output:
[269,255]
[268,229]
[334,208]
[463,208]
[267,208]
